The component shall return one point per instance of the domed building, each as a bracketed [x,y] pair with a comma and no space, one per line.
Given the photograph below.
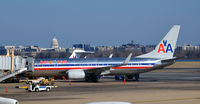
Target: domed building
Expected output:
[54,43]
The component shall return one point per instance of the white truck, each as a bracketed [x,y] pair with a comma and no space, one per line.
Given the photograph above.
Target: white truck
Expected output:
[37,88]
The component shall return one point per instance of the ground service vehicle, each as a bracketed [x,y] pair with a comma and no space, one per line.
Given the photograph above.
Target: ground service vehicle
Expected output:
[37,88]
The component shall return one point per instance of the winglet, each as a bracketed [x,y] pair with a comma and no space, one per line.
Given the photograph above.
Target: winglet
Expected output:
[127,59]
[111,55]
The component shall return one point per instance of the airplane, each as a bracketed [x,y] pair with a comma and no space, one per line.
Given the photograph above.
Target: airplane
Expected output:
[90,68]
[77,53]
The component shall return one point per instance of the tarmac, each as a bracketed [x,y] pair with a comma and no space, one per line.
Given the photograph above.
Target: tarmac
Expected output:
[166,86]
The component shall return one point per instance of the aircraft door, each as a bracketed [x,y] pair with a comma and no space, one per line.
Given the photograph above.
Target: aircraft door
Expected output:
[30,64]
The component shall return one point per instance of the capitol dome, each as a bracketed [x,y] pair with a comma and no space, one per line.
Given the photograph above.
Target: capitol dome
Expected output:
[54,43]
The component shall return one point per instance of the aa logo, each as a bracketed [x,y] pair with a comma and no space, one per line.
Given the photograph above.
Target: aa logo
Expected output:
[165,47]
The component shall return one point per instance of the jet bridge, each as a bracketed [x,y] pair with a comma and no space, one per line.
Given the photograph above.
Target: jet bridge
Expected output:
[10,66]
[9,75]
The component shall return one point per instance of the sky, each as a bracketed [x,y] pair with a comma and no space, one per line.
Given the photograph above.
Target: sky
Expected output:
[97,22]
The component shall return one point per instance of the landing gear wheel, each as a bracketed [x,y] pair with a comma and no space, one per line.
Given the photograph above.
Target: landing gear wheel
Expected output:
[130,77]
[116,77]
[137,76]
[87,79]
[36,90]
[95,78]
[92,78]
[48,89]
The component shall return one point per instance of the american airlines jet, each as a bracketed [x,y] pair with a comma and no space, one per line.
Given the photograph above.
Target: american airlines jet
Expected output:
[90,68]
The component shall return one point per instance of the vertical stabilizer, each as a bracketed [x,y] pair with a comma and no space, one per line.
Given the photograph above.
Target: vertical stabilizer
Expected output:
[78,52]
[165,49]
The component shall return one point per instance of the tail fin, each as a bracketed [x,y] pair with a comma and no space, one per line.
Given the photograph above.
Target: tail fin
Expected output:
[78,52]
[165,49]
[73,55]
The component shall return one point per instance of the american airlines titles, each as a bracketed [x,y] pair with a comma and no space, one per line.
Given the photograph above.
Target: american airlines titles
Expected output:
[53,62]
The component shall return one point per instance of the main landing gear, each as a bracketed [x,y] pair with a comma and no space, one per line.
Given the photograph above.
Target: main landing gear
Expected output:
[92,78]
[128,77]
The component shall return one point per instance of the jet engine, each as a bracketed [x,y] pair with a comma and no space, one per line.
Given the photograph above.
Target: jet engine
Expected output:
[8,101]
[76,74]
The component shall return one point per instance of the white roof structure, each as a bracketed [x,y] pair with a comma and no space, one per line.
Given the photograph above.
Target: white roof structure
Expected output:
[54,43]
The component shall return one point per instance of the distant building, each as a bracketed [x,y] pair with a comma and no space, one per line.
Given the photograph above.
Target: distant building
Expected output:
[190,47]
[104,48]
[81,46]
[54,47]
[85,47]
[3,49]
[148,48]
[132,44]
[179,48]
[54,43]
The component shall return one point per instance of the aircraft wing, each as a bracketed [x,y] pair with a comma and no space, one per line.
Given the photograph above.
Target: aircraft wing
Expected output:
[101,69]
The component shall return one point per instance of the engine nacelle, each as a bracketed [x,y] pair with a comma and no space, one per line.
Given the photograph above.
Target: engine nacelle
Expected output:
[76,74]
[8,101]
